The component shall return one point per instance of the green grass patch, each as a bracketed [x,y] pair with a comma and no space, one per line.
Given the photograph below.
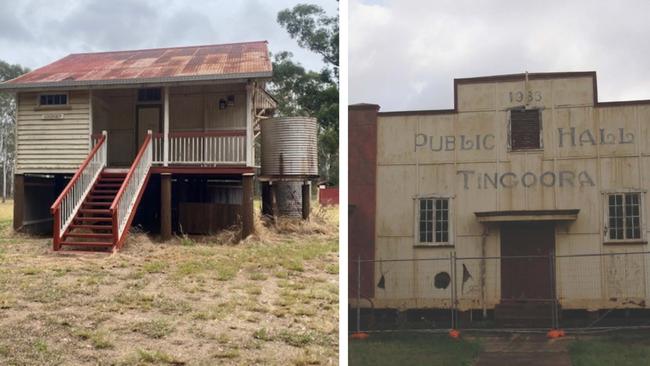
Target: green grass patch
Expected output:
[332,268]
[156,329]
[134,300]
[45,291]
[263,335]
[145,357]
[168,305]
[619,350]
[222,270]
[255,276]
[253,290]
[40,346]
[296,339]
[155,267]
[6,211]
[216,311]
[99,339]
[4,350]
[186,241]
[407,349]
[228,354]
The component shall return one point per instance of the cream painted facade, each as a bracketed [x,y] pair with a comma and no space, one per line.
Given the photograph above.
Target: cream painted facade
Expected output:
[589,149]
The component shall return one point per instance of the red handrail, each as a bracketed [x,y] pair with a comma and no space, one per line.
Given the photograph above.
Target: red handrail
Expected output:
[56,206]
[203,133]
[76,175]
[138,157]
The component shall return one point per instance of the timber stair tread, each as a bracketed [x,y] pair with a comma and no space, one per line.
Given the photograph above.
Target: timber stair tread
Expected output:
[95,210]
[91,227]
[90,235]
[88,243]
[85,218]
[92,224]
[97,203]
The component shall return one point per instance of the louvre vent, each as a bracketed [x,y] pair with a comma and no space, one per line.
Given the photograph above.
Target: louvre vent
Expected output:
[525,129]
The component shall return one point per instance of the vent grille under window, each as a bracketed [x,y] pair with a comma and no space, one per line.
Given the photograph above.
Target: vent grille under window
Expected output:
[525,129]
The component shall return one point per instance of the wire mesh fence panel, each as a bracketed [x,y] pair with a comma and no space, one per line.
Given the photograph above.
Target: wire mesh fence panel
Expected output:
[404,294]
[536,292]
[604,290]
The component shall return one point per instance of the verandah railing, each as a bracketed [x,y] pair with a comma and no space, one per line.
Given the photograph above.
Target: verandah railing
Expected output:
[202,148]
[131,190]
[67,204]
[199,148]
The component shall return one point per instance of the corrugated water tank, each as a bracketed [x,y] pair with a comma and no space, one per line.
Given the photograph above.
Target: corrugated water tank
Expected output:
[289,146]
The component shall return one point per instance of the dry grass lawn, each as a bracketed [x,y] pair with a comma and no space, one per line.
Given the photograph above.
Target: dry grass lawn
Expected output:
[271,300]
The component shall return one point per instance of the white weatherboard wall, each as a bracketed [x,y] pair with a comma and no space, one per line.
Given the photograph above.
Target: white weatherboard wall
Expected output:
[51,140]
[405,171]
[197,108]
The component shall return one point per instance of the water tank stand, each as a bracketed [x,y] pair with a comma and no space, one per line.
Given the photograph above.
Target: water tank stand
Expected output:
[272,207]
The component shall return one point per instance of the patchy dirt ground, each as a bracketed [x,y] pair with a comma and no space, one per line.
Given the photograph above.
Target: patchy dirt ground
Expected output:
[270,300]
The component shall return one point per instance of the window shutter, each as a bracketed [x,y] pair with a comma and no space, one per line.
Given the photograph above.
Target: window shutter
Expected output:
[524,129]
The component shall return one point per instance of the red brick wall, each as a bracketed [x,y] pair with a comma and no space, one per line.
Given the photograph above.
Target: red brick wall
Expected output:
[362,168]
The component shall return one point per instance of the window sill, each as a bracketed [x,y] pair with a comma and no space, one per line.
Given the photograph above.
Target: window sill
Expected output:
[526,150]
[52,107]
[433,246]
[624,242]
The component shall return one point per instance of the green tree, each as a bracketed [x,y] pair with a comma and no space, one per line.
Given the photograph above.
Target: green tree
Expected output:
[310,93]
[314,30]
[7,125]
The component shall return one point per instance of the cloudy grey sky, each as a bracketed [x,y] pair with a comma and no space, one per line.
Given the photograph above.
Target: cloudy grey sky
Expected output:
[404,54]
[34,33]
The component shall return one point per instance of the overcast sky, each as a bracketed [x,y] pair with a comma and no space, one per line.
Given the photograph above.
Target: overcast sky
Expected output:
[34,33]
[404,54]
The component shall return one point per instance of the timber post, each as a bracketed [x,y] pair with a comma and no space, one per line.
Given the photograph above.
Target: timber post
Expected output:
[274,203]
[19,201]
[306,200]
[165,206]
[247,210]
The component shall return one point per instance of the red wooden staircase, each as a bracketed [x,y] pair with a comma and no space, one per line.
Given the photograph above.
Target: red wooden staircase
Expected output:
[92,226]
[97,206]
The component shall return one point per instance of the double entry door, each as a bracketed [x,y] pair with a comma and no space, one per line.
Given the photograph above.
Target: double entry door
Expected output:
[528,274]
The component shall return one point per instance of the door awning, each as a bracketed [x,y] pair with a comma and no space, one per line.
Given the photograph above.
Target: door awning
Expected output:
[527,215]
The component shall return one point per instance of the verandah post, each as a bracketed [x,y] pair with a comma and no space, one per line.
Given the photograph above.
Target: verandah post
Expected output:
[166,128]
[56,238]
[165,206]
[250,160]
[19,200]
[247,206]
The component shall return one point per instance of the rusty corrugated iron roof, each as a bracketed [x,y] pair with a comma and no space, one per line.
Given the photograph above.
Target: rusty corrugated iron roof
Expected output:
[225,61]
